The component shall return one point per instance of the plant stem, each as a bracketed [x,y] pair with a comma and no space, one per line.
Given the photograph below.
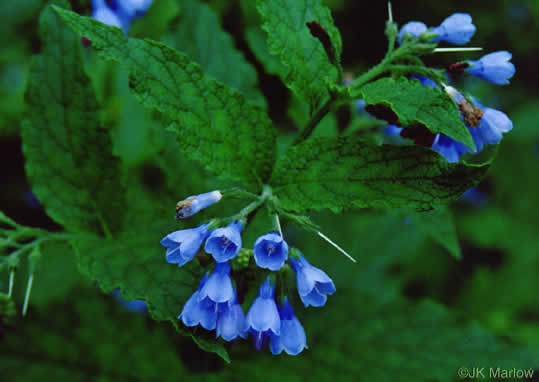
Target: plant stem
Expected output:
[315,120]
[420,70]
[382,67]
[245,211]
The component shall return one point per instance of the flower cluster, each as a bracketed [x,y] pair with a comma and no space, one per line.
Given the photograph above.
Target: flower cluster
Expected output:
[119,13]
[486,125]
[456,29]
[215,304]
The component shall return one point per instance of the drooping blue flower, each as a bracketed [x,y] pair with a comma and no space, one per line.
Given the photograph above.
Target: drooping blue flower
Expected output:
[218,288]
[456,29]
[413,28]
[131,9]
[119,13]
[183,245]
[360,105]
[450,149]
[197,311]
[231,322]
[474,196]
[263,318]
[270,251]
[313,284]
[193,204]
[292,339]
[102,12]
[225,243]
[491,127]
[137,306]
[392,130]
[489,131]
[494,67]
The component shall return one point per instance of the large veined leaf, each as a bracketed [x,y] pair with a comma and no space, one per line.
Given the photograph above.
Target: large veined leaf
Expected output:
[341,173]
[68,152]
[309,68]
[215,124]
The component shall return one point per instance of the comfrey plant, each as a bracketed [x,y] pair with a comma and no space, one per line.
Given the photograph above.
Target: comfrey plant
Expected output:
[221,121]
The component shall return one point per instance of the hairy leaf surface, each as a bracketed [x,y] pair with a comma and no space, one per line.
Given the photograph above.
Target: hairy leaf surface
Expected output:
[68,153]
[215,124]
[308,67]
[342,173]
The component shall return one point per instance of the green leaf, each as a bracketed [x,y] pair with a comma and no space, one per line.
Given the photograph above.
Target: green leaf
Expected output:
[7,311]
[257,43]
[90,337]
[68,153]
[215,124]
[157,20]
[417,105]
[7,220]
[57,263]
[135,263]
[342,173]
[198,33]
[138,267]
[439,224]
[359,337]
[308,67]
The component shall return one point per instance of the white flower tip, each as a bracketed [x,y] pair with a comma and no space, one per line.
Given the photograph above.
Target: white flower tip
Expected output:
[216,195]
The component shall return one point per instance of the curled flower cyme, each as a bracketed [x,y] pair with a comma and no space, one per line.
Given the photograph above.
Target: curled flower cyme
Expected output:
[494,67]
[231,322]
[193,204]
[270,251]
[456,29]
[197,311]
[313,284]
[292,339]
[225,243]
[413,29]
[183,245]
[218,288]
[263,318]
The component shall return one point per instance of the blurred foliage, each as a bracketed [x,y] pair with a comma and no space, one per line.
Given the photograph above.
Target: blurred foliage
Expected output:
[401,313]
